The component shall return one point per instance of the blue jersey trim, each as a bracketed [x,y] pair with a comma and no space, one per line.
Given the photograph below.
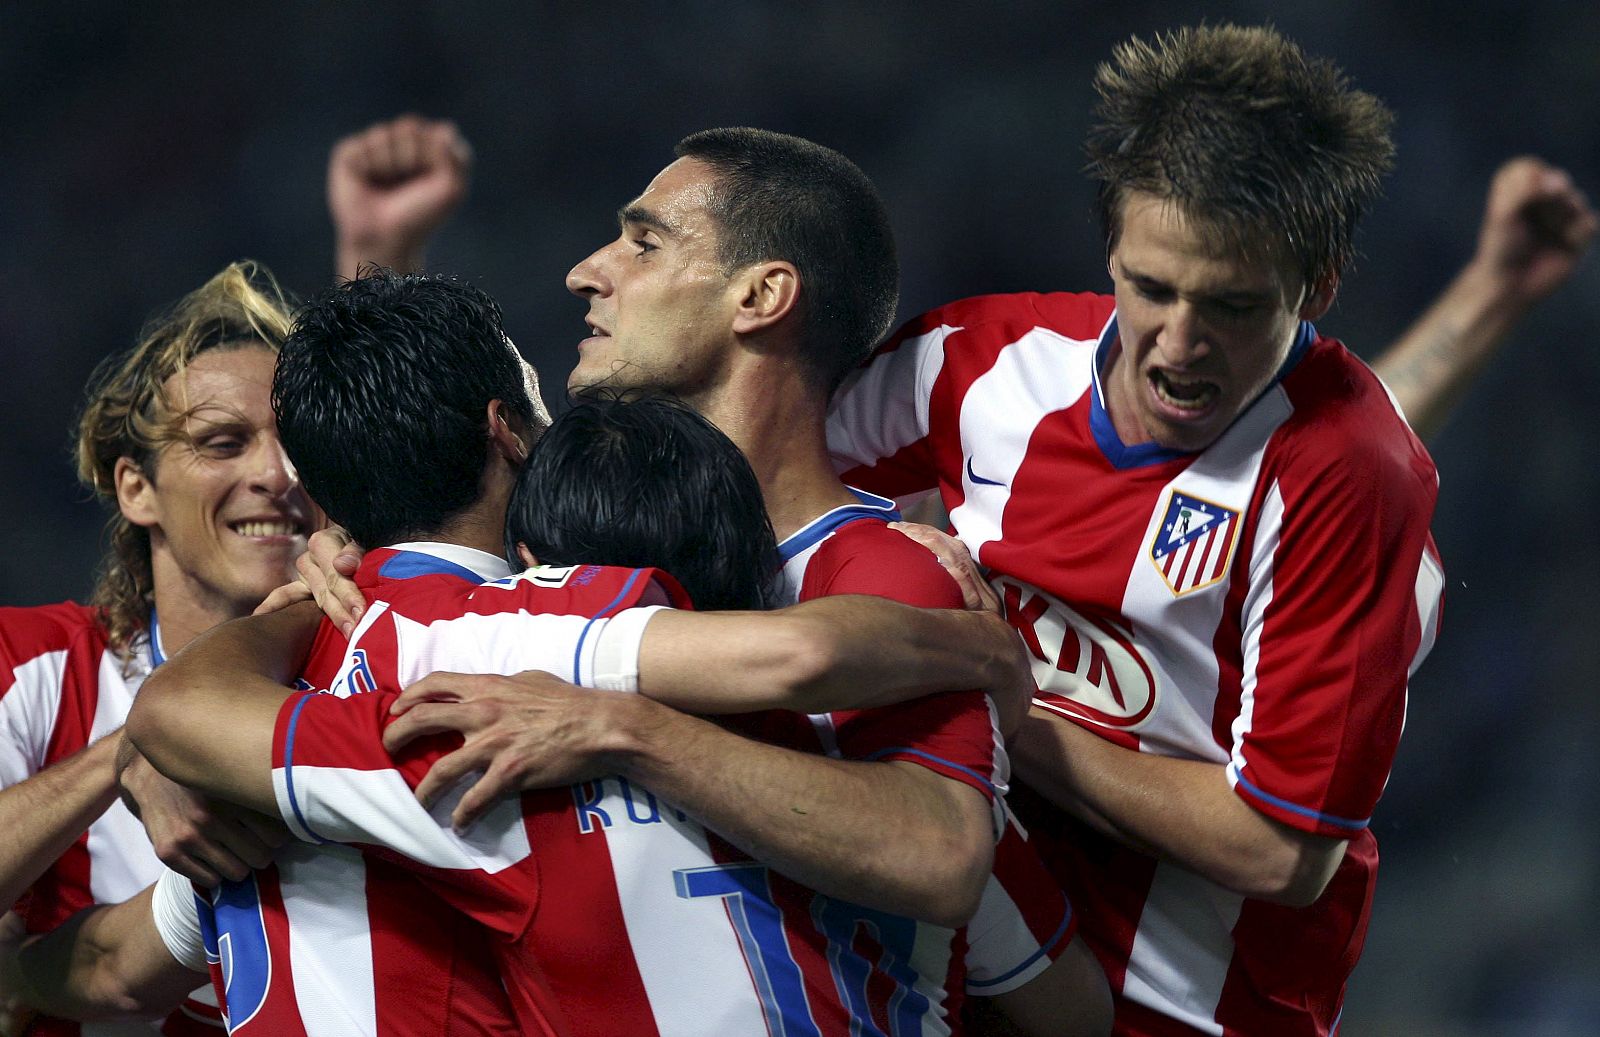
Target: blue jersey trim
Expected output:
[1294,808]
[157,656]
[901,750]
[407,564]
[577,653]
[288,766]
[1140,455]
[1049,945]
[871,506]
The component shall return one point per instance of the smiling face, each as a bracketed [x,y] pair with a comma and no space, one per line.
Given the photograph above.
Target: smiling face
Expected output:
[661,308]
[1203,330]
[222,502]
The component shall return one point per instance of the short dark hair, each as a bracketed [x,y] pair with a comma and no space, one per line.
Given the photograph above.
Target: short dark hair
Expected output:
[1259,143]
[786,198]
[641,480]
[382,391]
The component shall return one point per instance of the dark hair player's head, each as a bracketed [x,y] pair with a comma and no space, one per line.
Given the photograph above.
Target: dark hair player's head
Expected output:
[382,394]
[776,196]
[641,480]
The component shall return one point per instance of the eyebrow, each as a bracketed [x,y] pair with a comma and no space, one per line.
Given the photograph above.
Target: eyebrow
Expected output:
[1232,298]
[638,214]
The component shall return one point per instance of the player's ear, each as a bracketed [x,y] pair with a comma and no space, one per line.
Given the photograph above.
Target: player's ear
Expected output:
[136,493]
[526,555]
[767,292]
[508,432]
[1320,297]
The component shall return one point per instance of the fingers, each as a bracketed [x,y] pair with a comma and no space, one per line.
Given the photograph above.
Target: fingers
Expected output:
[283,597]
[269,832]
[953,555]
[325,568]
[189,864]
[450,769]
[501,780]
[429,718]
[444,686]
[399,149]
[1529,189]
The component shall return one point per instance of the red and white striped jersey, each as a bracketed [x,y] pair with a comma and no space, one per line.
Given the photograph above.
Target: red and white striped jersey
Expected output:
[1024,921]
[60,690]
[333,940]
[1258,605]
[614,912]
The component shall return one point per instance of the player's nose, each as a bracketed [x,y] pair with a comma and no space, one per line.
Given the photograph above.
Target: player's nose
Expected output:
[589,277]
[1182,340]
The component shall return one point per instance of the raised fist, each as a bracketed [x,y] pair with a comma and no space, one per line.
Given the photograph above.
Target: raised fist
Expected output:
[391,186]
[1537,225]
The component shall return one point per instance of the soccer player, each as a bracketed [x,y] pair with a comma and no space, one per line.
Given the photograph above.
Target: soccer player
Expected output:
[1207,520]
[178,435]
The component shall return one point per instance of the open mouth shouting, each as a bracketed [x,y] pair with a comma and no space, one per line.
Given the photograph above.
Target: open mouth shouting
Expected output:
[1183,395]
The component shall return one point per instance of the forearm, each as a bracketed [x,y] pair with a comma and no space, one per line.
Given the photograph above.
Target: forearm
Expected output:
[103,962]
[44,814]
[1430,365]
[205,719]
[1179,810]
[848,652]
[892,836]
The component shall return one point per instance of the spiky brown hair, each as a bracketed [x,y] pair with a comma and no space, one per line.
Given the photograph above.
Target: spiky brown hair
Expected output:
[1262,146]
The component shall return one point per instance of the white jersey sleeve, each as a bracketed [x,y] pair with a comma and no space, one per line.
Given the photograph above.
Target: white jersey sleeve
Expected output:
[177,918]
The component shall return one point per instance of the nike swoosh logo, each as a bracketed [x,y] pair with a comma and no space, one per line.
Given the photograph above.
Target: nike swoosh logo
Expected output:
[974,477]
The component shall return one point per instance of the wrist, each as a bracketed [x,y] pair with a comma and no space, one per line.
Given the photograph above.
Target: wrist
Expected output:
[630,732]
[1484,292]
[402,255]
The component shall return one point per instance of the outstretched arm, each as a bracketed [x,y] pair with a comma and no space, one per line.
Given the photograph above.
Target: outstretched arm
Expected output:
[1536,228]
[390,187]
[845,652]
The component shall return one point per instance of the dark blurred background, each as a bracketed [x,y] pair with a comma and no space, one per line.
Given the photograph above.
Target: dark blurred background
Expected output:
[144,146]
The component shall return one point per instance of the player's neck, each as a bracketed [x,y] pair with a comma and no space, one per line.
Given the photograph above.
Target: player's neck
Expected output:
[188,607]
[481,526]
[778,420]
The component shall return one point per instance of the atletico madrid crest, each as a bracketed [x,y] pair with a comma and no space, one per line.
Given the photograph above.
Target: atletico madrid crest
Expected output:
[1194,542]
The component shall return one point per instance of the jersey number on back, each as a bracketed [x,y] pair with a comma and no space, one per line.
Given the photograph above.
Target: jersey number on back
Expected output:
[849,929]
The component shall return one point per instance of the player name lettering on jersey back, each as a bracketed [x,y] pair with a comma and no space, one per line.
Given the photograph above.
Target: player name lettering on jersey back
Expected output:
[612,800]
[1091,660]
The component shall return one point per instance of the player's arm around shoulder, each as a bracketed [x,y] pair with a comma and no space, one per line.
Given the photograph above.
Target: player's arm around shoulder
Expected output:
[206,718]
[845,652]
[893,835]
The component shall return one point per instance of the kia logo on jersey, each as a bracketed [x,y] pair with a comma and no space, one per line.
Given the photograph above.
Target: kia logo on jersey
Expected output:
[1090,660]
[1193,542]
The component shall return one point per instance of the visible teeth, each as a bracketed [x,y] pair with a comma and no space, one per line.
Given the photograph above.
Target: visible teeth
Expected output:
[265,529]
[1188,395]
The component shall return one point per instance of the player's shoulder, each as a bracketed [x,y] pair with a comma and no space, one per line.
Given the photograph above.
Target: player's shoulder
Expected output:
[1076,315]
[1345,424]
[589,590]
[30,631]
[868,557]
